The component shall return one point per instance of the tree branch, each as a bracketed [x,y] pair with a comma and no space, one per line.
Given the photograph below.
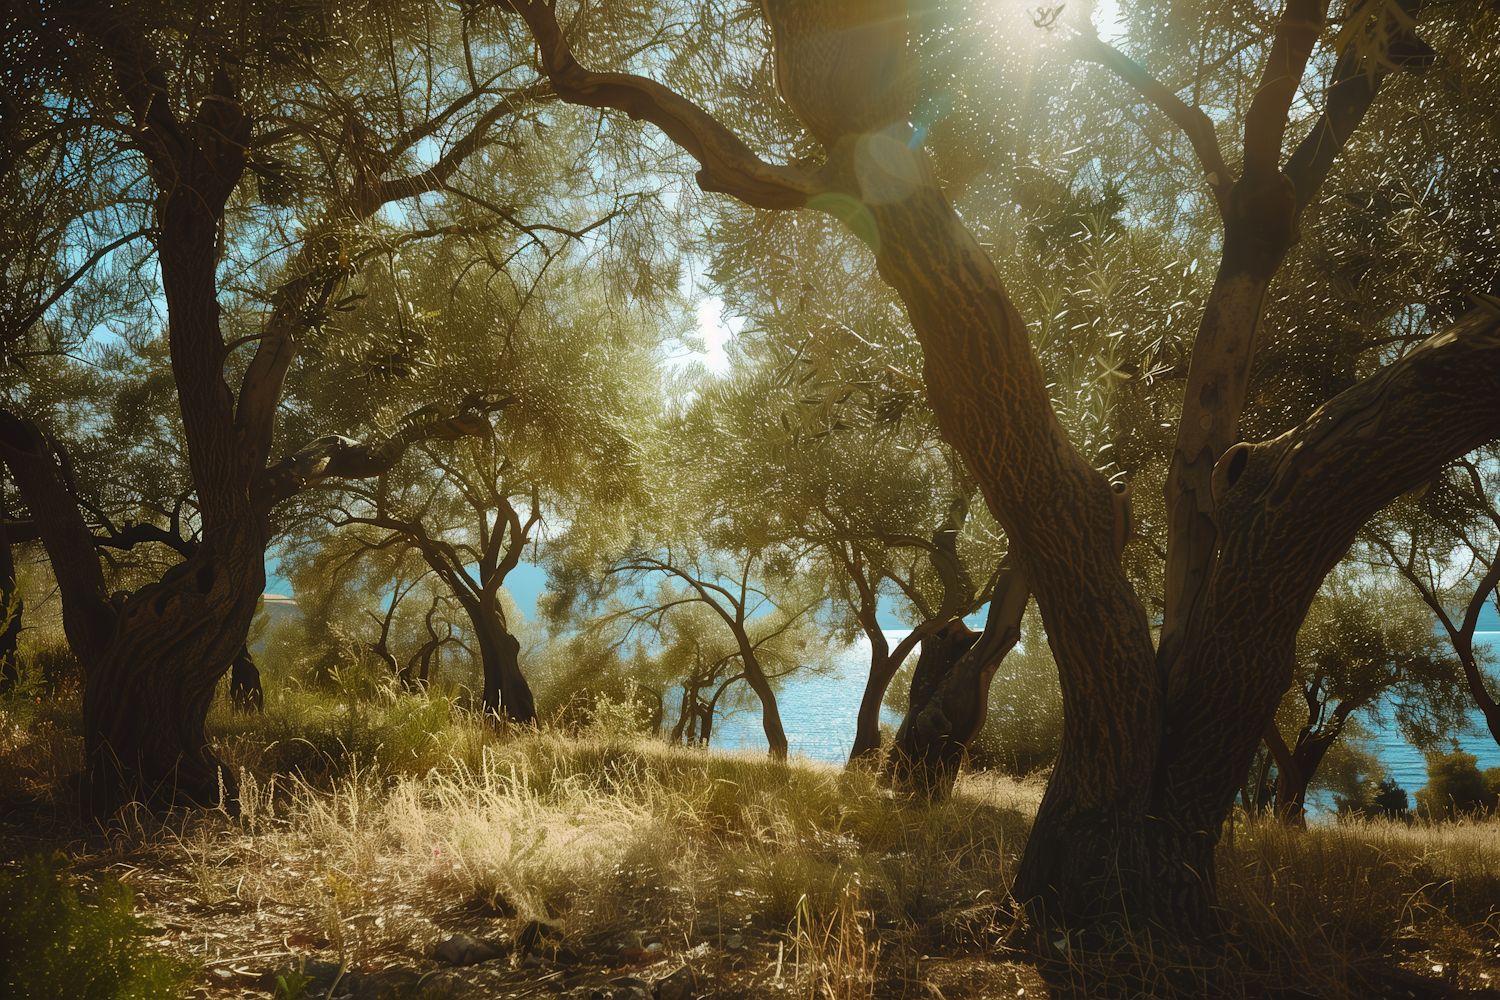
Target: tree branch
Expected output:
[1288,510]
[320,261]
[1195,124]
[88,618]
[339,457]
[436,177]
[1350,94]
[21,326]
[728,164]
[1265,122]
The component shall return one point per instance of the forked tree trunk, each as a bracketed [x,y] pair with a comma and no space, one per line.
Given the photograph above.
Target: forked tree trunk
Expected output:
[951,690]
[885,662]
[685,713]
[927,753]
[1288,510]
[695,716]
[1291,787]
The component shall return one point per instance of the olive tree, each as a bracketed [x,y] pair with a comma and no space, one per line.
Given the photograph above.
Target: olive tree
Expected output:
[267,141]
[1157,735]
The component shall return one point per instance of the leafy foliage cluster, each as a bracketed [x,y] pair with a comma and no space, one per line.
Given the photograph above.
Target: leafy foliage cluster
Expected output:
[53,944]
[1456,786]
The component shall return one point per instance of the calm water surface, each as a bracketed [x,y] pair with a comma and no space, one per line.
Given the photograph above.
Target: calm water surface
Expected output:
[819,717]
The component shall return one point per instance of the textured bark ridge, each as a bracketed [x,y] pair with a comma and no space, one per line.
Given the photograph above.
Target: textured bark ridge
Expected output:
[1060,515]
[148,697]
[1288,510]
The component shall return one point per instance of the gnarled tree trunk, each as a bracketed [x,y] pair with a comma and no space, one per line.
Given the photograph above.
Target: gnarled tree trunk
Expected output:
[151,665]
[148,697]
[505,689]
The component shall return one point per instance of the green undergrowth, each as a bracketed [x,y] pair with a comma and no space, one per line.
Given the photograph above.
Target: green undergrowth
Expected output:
[55,944]
[322,738]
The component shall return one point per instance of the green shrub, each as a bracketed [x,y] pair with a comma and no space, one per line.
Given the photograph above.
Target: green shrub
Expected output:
[1372,798]
[52,944]
[1455,786]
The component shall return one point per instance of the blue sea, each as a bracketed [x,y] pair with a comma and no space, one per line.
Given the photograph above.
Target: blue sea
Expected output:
[819,717]
[819,712]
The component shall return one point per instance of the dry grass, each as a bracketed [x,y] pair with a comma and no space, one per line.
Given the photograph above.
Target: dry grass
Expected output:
[372,829]
[1345,903]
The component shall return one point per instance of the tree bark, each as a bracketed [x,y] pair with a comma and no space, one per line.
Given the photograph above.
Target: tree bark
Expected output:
[414,676]
[991,401]
[1287,773]
[145,707]
[951,690]
[505,689]
[1288,510]
[1291,788]
[884,665]
[959,598]
[245,692]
